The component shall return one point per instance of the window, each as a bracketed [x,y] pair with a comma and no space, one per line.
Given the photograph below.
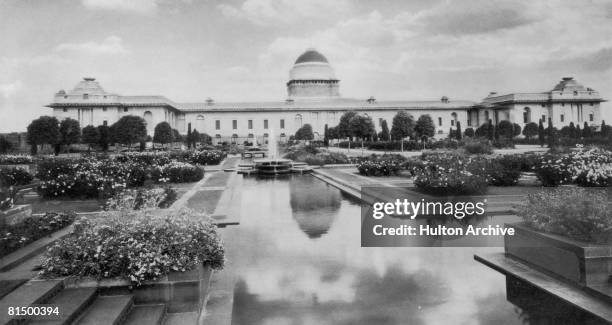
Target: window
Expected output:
[591,117]
[105,123]
[575,93]
[65,109]
[251,135]
[452,122]
[250,124]
[298,121]
[103,109]
[125,109]
[266,124]
[217,125]
[439,121]
[526,115]
[543,118]
[590,104]
[266,135]
[234,124]
[85,96]
[562,117]
[282,124]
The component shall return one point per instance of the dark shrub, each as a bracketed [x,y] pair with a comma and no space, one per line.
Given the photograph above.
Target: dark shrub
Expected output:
[15,177]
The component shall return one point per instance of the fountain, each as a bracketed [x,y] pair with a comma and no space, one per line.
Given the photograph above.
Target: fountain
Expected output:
[272,165]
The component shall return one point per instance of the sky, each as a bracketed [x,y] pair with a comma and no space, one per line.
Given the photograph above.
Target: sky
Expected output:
[242,50]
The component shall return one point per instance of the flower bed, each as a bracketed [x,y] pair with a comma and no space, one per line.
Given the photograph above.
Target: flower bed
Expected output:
[575,213]
[16,236]
[504,171]
[15,159]
[586,168]
[177,172]
[136,246]
[203,157]
[381,166]
[15,177]
[450,174]
[315,156]
[136,199]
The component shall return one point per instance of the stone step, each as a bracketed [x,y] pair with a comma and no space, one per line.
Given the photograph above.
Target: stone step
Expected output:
[146,314]
[71,303]
[104,310]
[32,292]
[190,318]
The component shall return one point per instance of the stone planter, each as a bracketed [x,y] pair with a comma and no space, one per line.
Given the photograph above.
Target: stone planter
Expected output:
[179,291]
[15,215]
[580,263]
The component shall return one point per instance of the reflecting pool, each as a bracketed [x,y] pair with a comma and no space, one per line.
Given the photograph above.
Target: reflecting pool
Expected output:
[299,261]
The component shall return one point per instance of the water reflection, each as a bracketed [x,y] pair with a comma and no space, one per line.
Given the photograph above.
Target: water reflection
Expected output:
[314,205]
[286,277]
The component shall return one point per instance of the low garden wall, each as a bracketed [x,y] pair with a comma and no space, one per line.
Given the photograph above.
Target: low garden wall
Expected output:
[15,215]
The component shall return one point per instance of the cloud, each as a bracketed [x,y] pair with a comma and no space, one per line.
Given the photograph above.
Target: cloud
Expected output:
[131,6]
[111,45]
[473,17]
[7,90]
[269,12]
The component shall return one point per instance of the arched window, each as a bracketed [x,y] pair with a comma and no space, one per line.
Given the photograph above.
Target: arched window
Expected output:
[148,117]
[453,118]
[298,121]
[526,115]
[591,117]
[200,123]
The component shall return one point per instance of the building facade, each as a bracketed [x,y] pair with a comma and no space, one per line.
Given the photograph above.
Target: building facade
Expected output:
[313,97]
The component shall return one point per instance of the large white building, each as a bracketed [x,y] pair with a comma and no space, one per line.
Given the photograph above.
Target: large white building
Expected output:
[313,97]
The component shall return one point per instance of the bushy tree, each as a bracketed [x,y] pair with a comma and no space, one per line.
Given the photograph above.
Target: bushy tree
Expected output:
[530,130]
[332,133]
[402,125]
[572,130]
[163,133]
[43,130]
[587,131]
[578,133]
[129,129]
[326,136]
[424,127]
[550,132]
[5,145]
[384,132]
[343,128]
[304,133]
[604,129]
[105,137]
[70,132]
[491,131]
[176,136]
[541,133]
[469,132]
[91,135]
[516,130]
[362,127]
[504,129]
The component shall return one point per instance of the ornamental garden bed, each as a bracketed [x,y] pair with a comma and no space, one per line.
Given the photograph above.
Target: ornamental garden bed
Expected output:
[582,263]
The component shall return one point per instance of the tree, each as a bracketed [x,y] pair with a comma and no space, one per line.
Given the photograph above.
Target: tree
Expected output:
[402,125]
[104,139]
[188,138]
[5,145]
[541,133]
[362,127]
[91,135]
[424,127]
[572,130]
[129,129]
[578,133]
[504,129]
[304,133]
[491,132]
[604,128]
[516,130]
[176,136]
[482,131]
[343,127]
[551,133]
[326,136]
[70,132]
[163,133]
[384,133]
[469,132]
[194,138]
[332,133]
[459,133]
[43,130]
[587,132]
[530,130]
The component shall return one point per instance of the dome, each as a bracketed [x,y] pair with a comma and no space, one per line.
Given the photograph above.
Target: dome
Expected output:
[569,84]
[88,86]
[311,65]
[311,55]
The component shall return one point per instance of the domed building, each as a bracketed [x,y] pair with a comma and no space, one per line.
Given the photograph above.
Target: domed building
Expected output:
[313,97]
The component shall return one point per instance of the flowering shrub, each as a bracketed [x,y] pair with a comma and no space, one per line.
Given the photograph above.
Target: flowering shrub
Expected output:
[591,167]
[380,167]
[146,157]
[504,171]
[576,213]
[177,172]
[315,156]
[135,246]
[450,174]
[15,177]
[478,147]
[15,159]
[203,157]
[88,177]
[136,199]
[16,236]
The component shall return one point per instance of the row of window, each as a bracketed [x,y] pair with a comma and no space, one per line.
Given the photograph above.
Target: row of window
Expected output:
[249,123]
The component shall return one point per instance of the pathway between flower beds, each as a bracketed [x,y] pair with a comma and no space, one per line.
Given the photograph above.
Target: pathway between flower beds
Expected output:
[500,200]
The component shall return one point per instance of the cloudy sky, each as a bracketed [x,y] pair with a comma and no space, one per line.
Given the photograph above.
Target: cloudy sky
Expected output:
[188,50]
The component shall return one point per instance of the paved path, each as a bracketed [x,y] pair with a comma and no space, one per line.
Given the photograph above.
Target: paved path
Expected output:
[358,152]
